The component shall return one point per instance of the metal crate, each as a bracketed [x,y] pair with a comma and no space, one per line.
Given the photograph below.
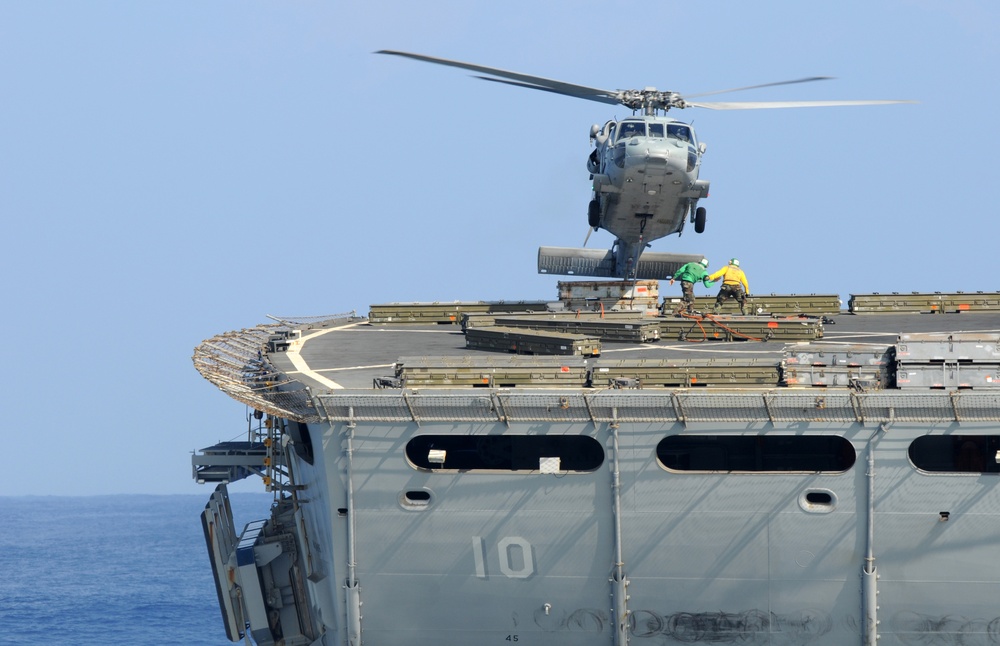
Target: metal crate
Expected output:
[667,373]
[499,372]
[860,376]
[933,302]
[445,313]
[615,327]
[770,304]
[956,346]
[808,354]
[947,375]
[740,328]
[520,341]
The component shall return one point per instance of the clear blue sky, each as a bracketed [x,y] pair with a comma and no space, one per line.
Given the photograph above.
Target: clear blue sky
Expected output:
[173,170]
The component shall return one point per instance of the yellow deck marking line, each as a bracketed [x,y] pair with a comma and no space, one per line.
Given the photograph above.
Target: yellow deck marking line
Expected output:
[300,364]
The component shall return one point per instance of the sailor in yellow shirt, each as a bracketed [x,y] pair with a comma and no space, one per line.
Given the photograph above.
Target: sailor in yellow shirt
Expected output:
[734,285]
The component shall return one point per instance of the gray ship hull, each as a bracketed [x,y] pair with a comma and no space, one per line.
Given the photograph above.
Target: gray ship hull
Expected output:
[562,514]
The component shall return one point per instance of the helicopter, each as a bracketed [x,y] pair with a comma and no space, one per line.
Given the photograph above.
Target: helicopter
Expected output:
[645,171]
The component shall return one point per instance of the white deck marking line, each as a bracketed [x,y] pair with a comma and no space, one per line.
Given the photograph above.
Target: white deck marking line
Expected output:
[446,330]
[377,365]
[300,364]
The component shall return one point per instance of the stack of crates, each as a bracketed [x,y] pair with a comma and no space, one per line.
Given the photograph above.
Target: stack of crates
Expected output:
[491,372]
[685,373]
[519,341]
[948,361]
[617,327]
[857,366]
[611,296]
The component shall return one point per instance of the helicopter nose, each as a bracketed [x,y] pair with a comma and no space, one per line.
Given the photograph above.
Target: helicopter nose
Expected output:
[656,159]
[651,156]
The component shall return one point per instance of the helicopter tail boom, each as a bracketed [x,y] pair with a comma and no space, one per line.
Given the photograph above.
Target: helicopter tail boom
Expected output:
[601,264]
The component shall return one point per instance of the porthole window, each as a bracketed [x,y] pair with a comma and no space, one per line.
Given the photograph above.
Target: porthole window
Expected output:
[415,499]
[756,453]
[818,501]
[956,453]
[819,497]
[519,453]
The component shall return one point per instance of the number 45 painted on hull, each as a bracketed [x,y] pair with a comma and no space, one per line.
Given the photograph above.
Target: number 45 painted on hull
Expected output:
[644,168]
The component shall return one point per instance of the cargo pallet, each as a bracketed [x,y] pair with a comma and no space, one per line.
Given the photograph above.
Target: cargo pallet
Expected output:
[767,304]
[521,341]
[962,360]
[620,327]
[929,302]
[488,372]
[445,313]
[685,373]
[739,328]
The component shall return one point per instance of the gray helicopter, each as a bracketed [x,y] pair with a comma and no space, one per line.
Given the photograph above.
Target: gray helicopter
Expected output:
[644,169]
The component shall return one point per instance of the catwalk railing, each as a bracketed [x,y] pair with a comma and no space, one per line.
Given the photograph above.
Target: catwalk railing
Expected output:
[776,405]
[236,362]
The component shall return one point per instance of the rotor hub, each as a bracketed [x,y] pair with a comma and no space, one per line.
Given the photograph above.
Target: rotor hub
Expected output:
[651,100]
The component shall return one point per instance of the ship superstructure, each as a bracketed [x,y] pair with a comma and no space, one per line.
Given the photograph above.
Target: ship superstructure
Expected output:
[591,471]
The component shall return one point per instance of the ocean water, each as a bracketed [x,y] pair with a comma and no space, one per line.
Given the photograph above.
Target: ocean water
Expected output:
[111,569]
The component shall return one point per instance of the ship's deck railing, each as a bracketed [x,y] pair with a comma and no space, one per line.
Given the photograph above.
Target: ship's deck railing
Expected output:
[237,364]
[665,406]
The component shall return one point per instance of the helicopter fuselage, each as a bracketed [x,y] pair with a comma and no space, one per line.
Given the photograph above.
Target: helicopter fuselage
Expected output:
[644,168]
[645,180]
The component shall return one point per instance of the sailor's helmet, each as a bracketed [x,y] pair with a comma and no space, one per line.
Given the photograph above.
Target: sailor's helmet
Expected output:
[704,262]
[734,262]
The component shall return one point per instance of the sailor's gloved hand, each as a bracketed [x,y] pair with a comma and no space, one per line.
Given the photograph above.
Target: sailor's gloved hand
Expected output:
[671,281]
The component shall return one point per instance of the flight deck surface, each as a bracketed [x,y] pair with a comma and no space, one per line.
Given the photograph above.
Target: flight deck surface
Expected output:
[351,355]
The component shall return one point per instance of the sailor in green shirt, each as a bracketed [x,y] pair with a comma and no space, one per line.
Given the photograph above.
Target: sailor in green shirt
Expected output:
[689,274]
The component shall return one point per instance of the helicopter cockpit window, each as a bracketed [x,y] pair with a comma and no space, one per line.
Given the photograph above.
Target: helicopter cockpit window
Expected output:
[632,129]
[679,131]
[656,130]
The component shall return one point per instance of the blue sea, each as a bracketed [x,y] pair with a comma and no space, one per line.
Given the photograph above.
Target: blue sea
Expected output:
[111,569]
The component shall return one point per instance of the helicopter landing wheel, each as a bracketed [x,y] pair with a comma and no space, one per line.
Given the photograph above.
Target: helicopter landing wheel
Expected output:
[594,214]
[699,219]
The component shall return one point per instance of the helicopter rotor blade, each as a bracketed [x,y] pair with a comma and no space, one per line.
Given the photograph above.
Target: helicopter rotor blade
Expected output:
[808,79]
[599,99]
[648,99]
[525,80]
[589,231]
[758,105]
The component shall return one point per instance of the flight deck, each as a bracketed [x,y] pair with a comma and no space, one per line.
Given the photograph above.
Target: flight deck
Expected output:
[355,354]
